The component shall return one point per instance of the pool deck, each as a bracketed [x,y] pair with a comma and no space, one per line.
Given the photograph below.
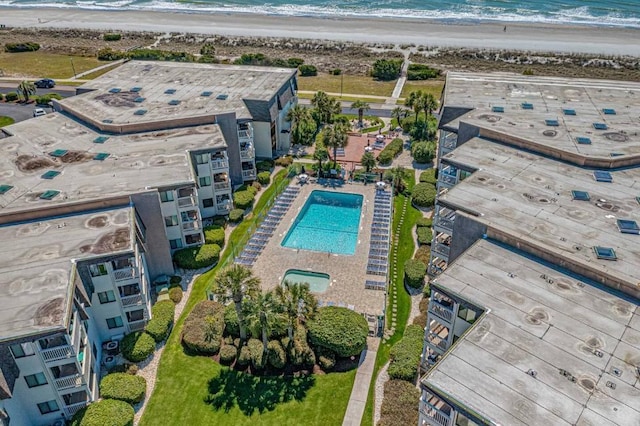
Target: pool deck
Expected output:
[347,272]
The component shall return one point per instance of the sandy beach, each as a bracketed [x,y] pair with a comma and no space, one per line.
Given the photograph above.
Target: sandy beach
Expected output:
[543,38]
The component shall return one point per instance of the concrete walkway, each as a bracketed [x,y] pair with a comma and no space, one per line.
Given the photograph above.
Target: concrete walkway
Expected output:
[360,391]
[101,67]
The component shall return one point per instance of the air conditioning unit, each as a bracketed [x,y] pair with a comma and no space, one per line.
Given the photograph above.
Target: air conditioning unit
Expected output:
[59,422]
[110,362]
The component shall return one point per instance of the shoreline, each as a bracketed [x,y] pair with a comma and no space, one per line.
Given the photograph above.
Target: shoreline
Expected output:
[587,39]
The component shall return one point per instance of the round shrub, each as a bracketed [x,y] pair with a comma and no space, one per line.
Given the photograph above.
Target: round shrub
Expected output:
[424,222]
[162,314]
[214,235]
[107,412]
[256,185]
[124,387]
[276,355]
[175,294]
[339,330]
[258,360]
[264,165]
[428,176]
[253,190]
[414,272]
[423,195]
[112,37]
[11,96]
[236,215]
[244,358]
[158,329]
[243,199]
[174,280]
[202,331]
[1,96]
[422,152]
[405,355]
[264,178]
[137,346]
[424,235]
[308,70]
[197,257]
[228,354]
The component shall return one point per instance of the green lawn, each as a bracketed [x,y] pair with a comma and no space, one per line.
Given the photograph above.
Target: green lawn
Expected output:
[352,84]
[43,64]
[430,86]
[346,98]
[5,121]
[192,390]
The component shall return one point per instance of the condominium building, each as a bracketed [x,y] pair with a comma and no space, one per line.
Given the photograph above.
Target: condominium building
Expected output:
[96,197]
[533,317]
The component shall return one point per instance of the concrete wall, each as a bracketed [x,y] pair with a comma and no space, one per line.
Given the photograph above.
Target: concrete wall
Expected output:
[17,412]
[466,132]
[262,139]
[229,127]
[466,231]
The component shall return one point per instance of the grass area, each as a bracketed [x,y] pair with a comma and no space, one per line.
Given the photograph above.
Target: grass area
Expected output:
[98,73]
[346,98]
[43,64]
[406,249]
[196,390]
[430,86]
[5,121]
[352,84]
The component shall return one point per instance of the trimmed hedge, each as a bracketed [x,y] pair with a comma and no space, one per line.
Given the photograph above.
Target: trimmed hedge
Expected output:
[414,272]
[175,294]
[137,346]
[228,354]
[11,96]
[424,235]
[428,176]
[405,355]
[197,257]
[423,254]
[112,37]
[423,152]
[258,358]
[391,151]
[123,387]
[308,70]
[264,165]
[214,235]
[107,412]
[423,195]
[204,316]
[162,314]
[424,222]
[399,405]
[300,353]
[276,355]
[339,330]
[264,178]
[243,199]
[236,215]
[285,161]
[28,46]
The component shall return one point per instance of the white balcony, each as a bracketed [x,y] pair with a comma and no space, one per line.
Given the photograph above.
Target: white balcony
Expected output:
[70,410]
[247,154]
[445,223]
[224,207]
[133,300]
[124,274]
[222,186]
[438,341]
[442,249]
[191,226]
[447,181]
[434,416]
[137,325]
[57,353]
[73,381]
[189,201]
[249,174]
[245,135]
[219,164]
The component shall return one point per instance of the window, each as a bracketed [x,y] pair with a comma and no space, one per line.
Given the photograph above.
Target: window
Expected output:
[114,322]
[175,244]
[135,315]
[48,407]
[21,350]
[207,202]
[34,380]
[65,370]
[166,196]
[171,220]
[98,270]
[106,297]
[462,420]
[202,158]
[129,290]
[205,181]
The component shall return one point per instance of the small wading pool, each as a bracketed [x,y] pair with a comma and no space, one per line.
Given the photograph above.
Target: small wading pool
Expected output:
[318,282]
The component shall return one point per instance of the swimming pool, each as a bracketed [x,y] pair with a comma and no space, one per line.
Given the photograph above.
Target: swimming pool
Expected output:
[318,282]
[328,222]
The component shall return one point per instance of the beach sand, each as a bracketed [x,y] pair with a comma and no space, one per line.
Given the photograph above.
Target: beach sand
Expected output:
[533,37]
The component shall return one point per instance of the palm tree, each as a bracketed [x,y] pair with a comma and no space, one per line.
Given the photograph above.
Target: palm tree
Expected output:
[296,302]
[430,103]
[361,106]
[235,282]
[262,313]
[416,101]
[26,89]
[397,178]
[302,124]
[368,161]
[334,137]
[326,106]
[397,113]
[321,154]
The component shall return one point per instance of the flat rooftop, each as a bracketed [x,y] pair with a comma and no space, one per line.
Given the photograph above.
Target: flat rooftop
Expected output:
[173,90]
[529,197]
[551,111]
[132,163]
[36,265]
[582,342]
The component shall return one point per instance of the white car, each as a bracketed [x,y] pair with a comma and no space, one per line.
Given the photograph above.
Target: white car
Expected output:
[38,112]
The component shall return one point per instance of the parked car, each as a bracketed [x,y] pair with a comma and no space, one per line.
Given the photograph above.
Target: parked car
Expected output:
[38,112]
[45,83]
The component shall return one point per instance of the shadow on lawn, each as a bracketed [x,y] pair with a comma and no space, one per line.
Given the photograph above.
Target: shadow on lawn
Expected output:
[250,393]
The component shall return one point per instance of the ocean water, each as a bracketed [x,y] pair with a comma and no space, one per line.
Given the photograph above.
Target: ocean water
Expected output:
[589,12]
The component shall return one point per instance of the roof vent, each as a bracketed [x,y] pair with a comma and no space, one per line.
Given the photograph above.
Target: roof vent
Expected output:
[107,121]
[532,372]
[616,371]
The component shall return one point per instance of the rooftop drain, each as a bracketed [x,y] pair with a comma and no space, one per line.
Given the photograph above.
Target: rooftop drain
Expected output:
[58,153]
[616,136]
[552,123]
[139,99]
[135,89]
[526,105]
[497,109]
[101,139]
[174,102]
[569,111]
[115,90]
[605,253]
[206,94]
[4,189]
[140,112]
[50,174]
[170,91]
[49,194]
[580,195]
[101,156]
[600,126]
[107,121]
[609,111]
[550,133]
[627,226]
[602,176]
[222,97]
[583,140]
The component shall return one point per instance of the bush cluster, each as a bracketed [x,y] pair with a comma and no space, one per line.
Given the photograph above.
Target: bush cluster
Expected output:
[197,257]
[21,47]
[405,355]
[308,70]
[414,272]
[299,351]
[112,37]
[424,235]
[285,161]
[423,254]
[421,72]
[109,412]
[162,314]
[276,355]
[386,69]
[228,354]
[11,96]
[428,176]
[423,195]
[338,330]
[137,346]
[263,60]
[424,222]
[236,215]
[391,151]
[175,294]
[258,359]
[264,178]
[335,71]
[243,199]
[264,165]
[214,235]
[46,99]
[123,387]
[423,152]
[399,405]
[109,54]
[244,358]
[202,331]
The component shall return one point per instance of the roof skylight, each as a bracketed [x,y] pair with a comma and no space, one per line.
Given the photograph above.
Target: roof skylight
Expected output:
[101,156]
[600,126]
[50,174]
[553,123]
[497,109]
[115,90]
[206,94]
[139,99]
[49,194]
[606,253]
[4,189]
[170,91]
[101,139]
[583,140]
[222,96]
[58,153]
[140,112]
[627,226]
[602,176]
[526,105]
[580,195]
[174,102]
[609,111]
[568,111]
[135,89]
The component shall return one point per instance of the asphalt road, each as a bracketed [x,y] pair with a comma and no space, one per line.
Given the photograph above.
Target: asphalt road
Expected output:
[64,91]
[19,112]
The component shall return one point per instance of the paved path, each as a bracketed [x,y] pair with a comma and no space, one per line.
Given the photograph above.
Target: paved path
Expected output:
[101,67]
[360,391]
[400,83]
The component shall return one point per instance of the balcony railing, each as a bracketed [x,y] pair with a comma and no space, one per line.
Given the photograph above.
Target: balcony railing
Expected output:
[447,179]
[438,341]
[434,416]
[441,311]
[124,274]
[444,222]
[57,353]
[219,164]
[224,207]
[70,410]
[67,382]
[137,325]
[245,134]
[191,226]
[132,300]
[442,249]
[249,174]
[189,201]
[247,154]
[222,186]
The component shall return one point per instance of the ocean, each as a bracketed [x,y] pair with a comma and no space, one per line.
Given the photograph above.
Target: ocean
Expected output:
[623,13]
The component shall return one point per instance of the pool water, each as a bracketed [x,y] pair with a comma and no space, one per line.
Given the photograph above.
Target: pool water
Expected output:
[318,282]
[328,222]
